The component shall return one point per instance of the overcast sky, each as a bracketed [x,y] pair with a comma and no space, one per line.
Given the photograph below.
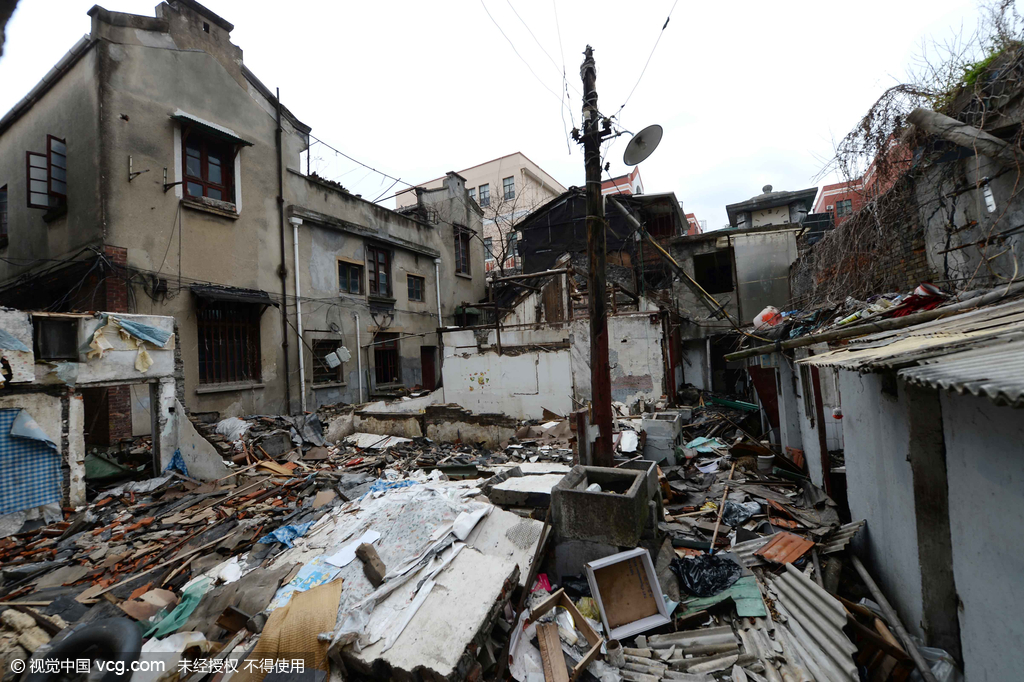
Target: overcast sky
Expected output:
[749,93]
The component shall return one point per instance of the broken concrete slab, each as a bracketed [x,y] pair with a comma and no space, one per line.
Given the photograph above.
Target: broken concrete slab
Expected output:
[525,491]
[202,459]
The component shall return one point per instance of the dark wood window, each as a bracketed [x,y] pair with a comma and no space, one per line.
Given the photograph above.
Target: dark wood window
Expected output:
[508,185]
[3,216]
[208,167]
[55,338]
[378,263]
[229,342]
[385,358]
[485,195]
[323,373]
[713,271]
[462,237]
[350,278]
[416,287]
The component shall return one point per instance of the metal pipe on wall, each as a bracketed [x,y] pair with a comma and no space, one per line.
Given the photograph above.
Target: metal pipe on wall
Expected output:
[437,286]
[283,271]
[298,312]
[359,358]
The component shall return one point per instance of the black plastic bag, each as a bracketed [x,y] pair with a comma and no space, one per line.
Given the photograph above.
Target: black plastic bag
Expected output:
[736,514]
[576,586]
[707,574]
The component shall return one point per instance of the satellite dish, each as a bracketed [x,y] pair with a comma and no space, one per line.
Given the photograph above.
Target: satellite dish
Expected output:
[642,145]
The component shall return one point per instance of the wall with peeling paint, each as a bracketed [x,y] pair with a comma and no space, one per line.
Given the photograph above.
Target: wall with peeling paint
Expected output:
[635,353]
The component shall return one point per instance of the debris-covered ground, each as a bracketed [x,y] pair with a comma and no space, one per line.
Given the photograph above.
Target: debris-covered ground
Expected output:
[380,556]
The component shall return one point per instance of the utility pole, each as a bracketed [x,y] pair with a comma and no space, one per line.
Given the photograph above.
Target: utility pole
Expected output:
[600,371]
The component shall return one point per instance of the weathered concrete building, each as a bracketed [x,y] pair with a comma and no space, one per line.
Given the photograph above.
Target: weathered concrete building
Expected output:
[162,178]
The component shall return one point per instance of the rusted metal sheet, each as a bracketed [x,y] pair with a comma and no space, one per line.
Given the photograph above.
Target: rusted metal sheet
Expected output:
[785,548]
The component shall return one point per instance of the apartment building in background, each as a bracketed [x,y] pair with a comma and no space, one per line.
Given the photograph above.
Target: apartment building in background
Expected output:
[145,174]
[506,189]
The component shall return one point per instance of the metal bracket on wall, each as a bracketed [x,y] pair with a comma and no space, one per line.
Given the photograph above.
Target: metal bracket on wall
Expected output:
[168,185]
[134,174]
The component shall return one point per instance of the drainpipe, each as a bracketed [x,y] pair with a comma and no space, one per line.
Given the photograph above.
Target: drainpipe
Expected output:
[437,286]
[298,312]
[283,270]
[359,358]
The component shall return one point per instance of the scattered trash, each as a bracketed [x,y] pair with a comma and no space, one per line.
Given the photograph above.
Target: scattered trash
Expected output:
[705,575]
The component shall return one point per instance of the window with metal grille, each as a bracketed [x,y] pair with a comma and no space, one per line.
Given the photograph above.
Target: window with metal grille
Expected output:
[509,187]
[385,358]
[208,165]
[713,271]
[461,250]
[378,263]
[229,342]
[661,225]
[416,287]
[350,278]
[3,216]
[323,373]
[844,207]
[485,195]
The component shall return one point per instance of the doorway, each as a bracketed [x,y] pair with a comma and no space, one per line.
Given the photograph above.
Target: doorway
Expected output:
[428,356]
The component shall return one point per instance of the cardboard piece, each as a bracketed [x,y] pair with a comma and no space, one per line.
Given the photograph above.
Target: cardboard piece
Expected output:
[595,640]
[628,594]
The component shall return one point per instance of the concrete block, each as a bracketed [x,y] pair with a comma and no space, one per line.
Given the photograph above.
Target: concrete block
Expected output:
[572,555]
[526,491]
[373,567]
[615,516]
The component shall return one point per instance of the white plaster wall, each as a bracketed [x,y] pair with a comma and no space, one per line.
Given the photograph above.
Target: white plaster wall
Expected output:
[76,450]
[695,363]
[881,489]
[985,465]
[517,385]
[634,354]
[810,443]
[789,400]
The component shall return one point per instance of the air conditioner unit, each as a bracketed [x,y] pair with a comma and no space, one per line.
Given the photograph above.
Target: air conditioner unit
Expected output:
[829,207]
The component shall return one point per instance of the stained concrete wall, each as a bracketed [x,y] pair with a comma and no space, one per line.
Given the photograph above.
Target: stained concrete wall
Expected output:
[695,364]
[806,416]
[985,466]
[519,384]
[789,404]
[881,488]
[635,354]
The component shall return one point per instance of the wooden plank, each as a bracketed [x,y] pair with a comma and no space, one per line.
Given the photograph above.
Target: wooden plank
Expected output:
[551,653]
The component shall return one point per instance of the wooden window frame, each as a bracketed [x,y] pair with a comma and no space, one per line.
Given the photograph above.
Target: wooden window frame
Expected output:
[422,285]
[51,155]
[373,270]
[348,267]
[222,364]
[43,166]
[506,184]
[463,264]
[227,167]
[389,346]
[4,203]
[320,367]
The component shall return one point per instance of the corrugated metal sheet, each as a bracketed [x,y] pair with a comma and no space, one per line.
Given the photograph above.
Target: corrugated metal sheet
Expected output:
[785,548]
[814,624]
[979,352]
[744,551]
[841,538]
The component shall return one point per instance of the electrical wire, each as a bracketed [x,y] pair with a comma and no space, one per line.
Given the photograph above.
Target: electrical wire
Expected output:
[644,70]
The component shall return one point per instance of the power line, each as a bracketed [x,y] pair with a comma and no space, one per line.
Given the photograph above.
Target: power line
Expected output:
[550,58]
[338,151]
[521,58]
[644,70]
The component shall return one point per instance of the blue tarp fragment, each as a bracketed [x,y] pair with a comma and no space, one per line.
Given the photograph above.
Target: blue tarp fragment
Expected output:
[145,332]
[8,342]
[285,534]
[25,426]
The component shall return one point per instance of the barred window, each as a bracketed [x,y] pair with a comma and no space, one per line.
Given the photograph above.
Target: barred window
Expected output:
[229,342]
[385,358]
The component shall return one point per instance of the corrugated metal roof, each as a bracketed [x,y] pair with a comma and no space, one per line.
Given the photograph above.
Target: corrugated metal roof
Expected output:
[814,621]
[979,352]
[841,538]
[785,548]
[744,551]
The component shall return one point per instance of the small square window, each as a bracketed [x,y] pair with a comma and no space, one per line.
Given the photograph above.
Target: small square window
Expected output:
[209,163]
[350,278]
[322,371]
[844,207]
[55,338]
[416,287]
[508,185]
